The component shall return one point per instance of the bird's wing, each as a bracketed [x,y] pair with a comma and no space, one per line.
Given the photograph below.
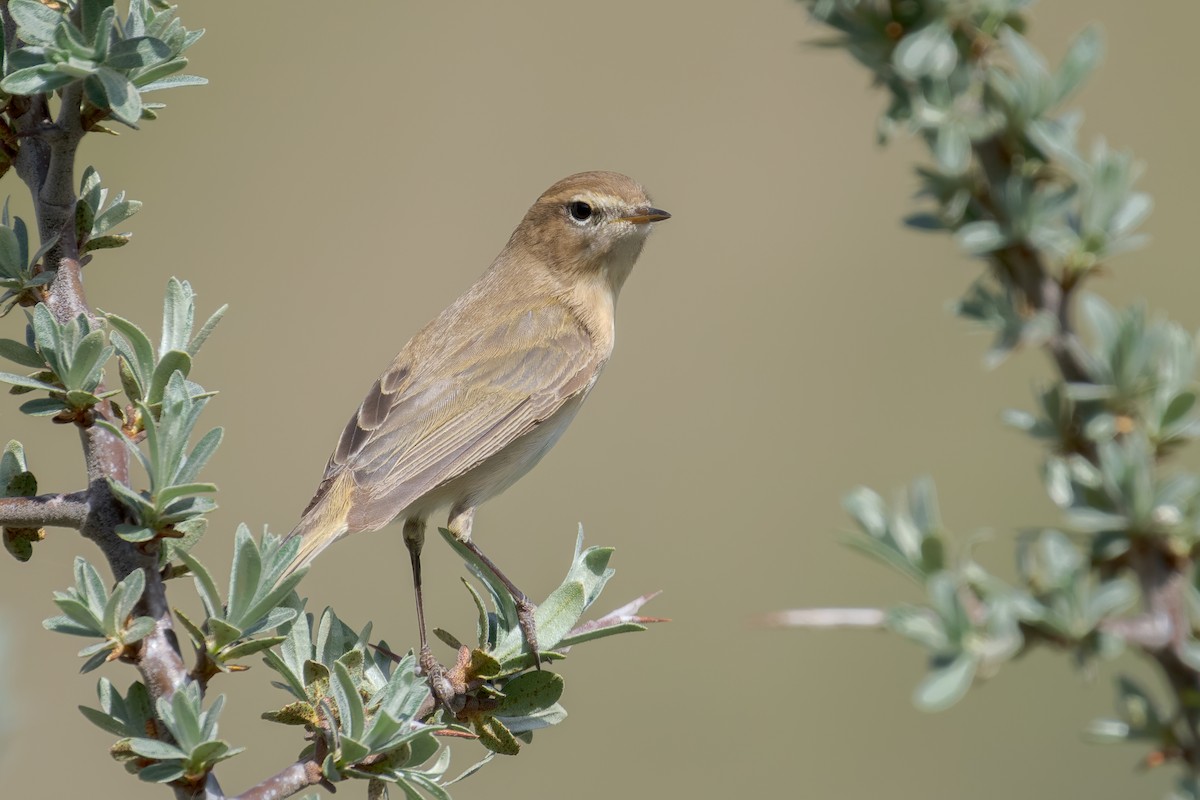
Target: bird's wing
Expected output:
[423,424]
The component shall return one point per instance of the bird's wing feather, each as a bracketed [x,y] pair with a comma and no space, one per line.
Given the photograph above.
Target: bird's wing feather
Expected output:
[422,425]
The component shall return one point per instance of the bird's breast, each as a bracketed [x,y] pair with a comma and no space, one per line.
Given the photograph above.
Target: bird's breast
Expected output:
[505,467]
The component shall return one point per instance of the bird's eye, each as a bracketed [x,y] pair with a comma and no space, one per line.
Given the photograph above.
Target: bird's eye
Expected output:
[579,211]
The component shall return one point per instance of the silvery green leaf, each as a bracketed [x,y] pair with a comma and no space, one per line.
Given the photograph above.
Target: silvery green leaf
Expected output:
[946,685]
[1110,598]
[104,721]
[138,629]
[206,329]
[868,510]
[919,625]
[542,718]
[153,748]
[244,574]
[1085,472]
[1101,427]
[90,585]
[222,633]
[179,310]
[64,624]
[20,354]
[925,221]
[185,717]
[1131,214]
[952,148]
[923,505]
[943,597]
[124,101]
[213,752]
[12,262]
[529,693]
[1083,392]
[172,81]
[1060,559]
[1135,706]
[28,383]
[887,554]
[136,53]
[1057,478]
[981,237]
[1027,60]
[1021,420]
[36,22]
[1106,731]
[350,706]
[205,585]
[1081,59]
[1056,138]
[907,536]
[1190,653]
[162,772]
[249,648]
[275,616]
[124,597]
[927,52]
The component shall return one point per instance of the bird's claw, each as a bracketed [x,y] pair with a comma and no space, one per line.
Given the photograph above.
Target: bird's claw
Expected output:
[525,611]
[440,685]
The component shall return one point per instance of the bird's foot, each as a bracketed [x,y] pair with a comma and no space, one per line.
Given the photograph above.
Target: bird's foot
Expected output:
[525,611]
[441,683]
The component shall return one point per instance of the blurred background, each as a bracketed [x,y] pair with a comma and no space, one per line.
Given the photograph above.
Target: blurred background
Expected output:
[352,168]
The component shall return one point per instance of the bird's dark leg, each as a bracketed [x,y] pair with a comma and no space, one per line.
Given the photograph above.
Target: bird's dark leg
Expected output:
[460,525]
[439,684]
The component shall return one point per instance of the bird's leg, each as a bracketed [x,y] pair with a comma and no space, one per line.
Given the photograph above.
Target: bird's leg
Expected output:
[439,684]
[461,519]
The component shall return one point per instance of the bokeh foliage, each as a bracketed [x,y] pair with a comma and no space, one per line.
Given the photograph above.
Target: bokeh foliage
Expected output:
[1011,183]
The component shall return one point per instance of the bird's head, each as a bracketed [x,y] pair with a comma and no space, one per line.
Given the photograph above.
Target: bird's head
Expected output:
[589,224]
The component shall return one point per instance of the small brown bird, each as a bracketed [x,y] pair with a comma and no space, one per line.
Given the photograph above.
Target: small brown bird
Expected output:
[478,396]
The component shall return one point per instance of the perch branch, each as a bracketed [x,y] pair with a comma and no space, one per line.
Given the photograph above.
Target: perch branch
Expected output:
[287,782]
[47,510]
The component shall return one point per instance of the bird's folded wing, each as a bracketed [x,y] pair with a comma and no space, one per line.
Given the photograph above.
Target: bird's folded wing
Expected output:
[424,424]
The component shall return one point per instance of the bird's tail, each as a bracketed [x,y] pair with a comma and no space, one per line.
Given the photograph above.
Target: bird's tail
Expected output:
[323,522]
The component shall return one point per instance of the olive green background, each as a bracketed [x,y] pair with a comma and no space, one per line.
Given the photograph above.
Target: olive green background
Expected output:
[353,166]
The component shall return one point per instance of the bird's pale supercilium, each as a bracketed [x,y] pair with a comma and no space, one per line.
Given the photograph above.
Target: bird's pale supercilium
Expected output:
[479,395]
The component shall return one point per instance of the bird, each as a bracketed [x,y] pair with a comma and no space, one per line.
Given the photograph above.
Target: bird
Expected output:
[475,399]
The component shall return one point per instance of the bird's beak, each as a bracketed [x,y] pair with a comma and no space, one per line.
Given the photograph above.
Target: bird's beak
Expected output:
[645,215]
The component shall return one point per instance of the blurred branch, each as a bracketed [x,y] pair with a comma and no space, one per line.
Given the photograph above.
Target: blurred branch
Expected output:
[828,618]
[1011,185]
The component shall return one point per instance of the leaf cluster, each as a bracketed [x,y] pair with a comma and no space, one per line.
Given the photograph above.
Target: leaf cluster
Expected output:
[195,748]
[359,704]
[257,590]
[90,610]
[116,61]
[69,360]
[17,481]
[508,701]
[22,276]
